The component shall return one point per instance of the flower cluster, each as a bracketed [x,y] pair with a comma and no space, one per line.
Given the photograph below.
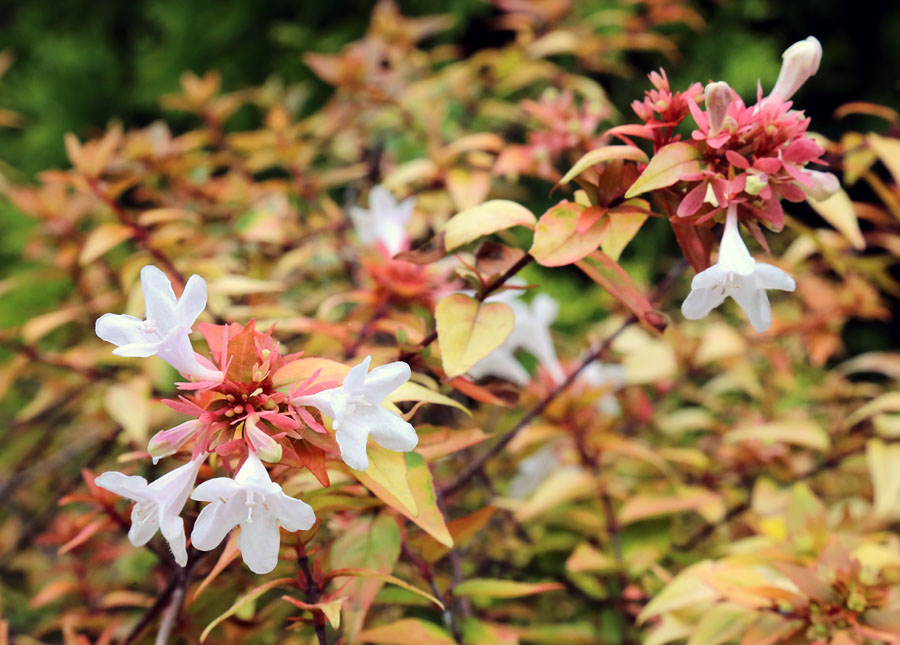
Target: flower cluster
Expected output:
[742,160]
[247,403]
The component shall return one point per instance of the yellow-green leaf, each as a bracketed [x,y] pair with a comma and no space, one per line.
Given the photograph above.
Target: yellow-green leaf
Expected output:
[606,153]
[489,217]
[561,486]
[469,330]
[410,391]
[129,405]
[667,166]
[557,239]
[624,223]
[408,631]
[368,573]
[722,624]
[838,211]
[888,402]
[489,588]
[587,557]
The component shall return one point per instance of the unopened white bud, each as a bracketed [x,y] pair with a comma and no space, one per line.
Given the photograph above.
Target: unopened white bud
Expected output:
[718,98]
[825,184]
[800,61]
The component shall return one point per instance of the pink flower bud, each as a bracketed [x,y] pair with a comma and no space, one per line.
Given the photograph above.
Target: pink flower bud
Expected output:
[265,447]
[801,60]
[168,442]
[718,98]
[824,185]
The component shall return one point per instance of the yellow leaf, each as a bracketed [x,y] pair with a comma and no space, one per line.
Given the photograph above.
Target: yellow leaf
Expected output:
[606,153]
[888,402]
[410,391]
[489,217]
[720,340]
[487,588]
[387,470]
[800,432]
[624,223]
[668,166]
[102,239]
[128,405]
[684,591]
[838,211]
[39,326]
[884,468]
[557,238]
[888,150]
[690,498]
[468,188]
[468,330]
[722,624]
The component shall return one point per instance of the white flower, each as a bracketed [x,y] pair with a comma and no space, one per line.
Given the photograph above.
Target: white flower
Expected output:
[800,61]
[531,332]
[166,331]
[256,503]
[718,97]
[533,471]
[738,275]
[356,409]
[385,220]
[605,375]
[158,504]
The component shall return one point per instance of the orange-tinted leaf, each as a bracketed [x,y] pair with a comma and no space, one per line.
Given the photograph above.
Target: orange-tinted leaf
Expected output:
[668,165]
[557,239]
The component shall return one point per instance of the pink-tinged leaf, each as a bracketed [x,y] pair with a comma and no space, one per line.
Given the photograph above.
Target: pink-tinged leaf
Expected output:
[229,553]
[245,600]
[488,588]
[306,455]
[557,241]
[601,155]
[408,631]
[672,163]
[603,270]
[83,535]
[489,217]
[299,371]
[696,243]
[446,442]
[331,609]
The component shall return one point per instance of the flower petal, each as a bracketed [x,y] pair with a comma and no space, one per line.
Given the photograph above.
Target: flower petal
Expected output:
[159,299]
[351,439]
[132,487]
[700,302]
[356,377]
[213,490]
[253,473]
[390,431]
[501,363]
[172,528]
[383,380]
[144,523]
[771,277]
[120,329]
[381,201]
[292,513]
[755,304]
[259,541]
[215,521]
[192,302]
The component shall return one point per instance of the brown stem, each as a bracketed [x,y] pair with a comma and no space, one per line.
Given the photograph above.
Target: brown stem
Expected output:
[312,593]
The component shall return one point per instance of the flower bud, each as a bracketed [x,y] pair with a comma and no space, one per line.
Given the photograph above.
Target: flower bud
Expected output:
[718,98]
[801,60]
[168,442]
[756,182]
[825,184]
[263,445]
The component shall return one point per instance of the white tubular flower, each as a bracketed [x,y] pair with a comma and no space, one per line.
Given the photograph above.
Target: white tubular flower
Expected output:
[166,331]
[800,61]
[533,471]
[384,222]
[531,332]
[825,184]
[738,275]
[609,375]
[256,503]
[356,409]
[718,97]
[158,504]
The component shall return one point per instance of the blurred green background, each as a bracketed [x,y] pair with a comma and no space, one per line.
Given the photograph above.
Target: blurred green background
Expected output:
[81,63]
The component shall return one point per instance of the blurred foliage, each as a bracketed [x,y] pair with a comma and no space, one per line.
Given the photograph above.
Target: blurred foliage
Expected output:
[713,486]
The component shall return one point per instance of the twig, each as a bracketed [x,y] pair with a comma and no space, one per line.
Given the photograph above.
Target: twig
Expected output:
[312,593]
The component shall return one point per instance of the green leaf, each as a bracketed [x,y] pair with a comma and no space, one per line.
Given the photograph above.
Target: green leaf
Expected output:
[245,600]
[368,573]
[409,631]
[668,165]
